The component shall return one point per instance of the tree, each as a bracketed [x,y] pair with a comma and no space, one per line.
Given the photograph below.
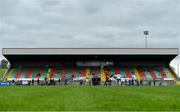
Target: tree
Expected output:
[4,63]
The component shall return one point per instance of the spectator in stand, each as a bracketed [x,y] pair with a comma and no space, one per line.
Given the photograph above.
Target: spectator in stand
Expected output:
[20,66]
[159,74]
[38,75]
[73,76]
[80,74]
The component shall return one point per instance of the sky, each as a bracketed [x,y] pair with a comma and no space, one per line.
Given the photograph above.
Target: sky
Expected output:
[89,23]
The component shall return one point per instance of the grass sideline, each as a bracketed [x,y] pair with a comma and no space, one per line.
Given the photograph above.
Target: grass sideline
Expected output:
[89,98]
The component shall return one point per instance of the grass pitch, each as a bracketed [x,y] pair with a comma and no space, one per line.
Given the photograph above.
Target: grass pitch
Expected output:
[100,98]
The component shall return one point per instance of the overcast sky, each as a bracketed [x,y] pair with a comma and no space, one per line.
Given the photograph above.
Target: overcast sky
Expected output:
[89,23]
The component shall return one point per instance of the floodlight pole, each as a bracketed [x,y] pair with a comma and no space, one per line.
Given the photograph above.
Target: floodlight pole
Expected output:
[146,33]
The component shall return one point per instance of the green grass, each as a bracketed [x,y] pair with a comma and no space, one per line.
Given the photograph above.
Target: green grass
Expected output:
[100,98]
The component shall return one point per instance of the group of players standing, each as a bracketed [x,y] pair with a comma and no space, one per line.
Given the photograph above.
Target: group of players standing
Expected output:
[120,80]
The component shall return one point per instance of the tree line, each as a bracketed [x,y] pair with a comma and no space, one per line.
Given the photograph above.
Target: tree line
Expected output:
[4,64]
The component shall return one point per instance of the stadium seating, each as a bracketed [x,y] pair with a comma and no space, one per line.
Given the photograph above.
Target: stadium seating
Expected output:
[37,73]
[78,72]
[23,74]
[83,71]
[127,72]
[153,75]
[29,72]
[73,72]
[166,72]
[103,76]
[161,72]
[148,73]
[137,73]
[63,72]
[13,72]
[122,72]
[141,72]
[68,72]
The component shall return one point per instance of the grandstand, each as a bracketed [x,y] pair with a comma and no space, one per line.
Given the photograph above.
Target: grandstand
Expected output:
[78,63]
